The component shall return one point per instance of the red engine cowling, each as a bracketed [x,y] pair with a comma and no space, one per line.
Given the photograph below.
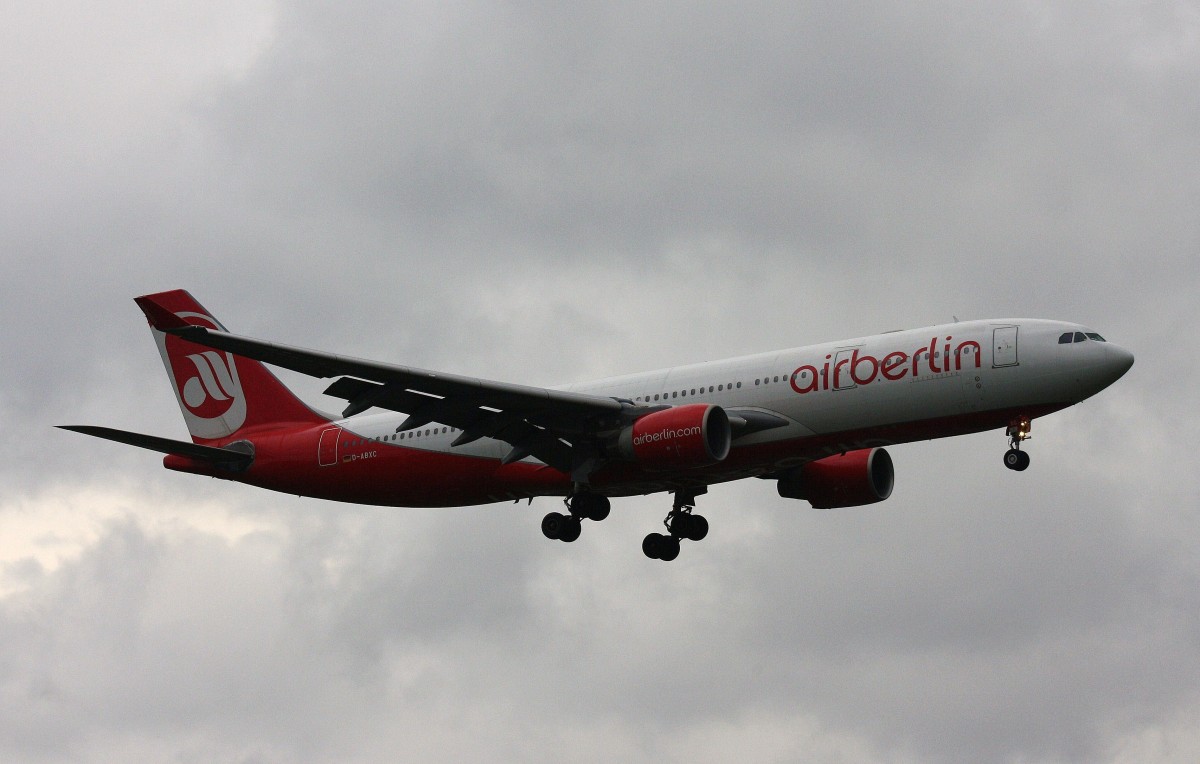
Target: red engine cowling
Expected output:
[847,480]
[694,435]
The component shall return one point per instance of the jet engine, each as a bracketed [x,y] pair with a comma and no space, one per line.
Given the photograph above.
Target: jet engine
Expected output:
[680,437]
[846,480]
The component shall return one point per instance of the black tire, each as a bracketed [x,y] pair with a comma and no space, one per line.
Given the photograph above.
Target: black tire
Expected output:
[590,505]
[1023,461]
[570,530]
[669,548]
[651,545]
[697,528]
[681,525]
[1012,459]
[552,525]
[600,509]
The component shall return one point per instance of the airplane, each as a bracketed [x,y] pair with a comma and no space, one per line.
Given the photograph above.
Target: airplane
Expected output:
[814,419]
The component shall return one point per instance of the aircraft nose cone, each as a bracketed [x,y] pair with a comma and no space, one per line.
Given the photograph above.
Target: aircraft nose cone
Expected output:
[1101,365]
[1118,360]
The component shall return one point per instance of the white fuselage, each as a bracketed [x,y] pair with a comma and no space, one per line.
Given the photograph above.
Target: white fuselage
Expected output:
[876,390]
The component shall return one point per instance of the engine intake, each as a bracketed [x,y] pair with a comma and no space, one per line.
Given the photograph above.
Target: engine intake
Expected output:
[693,435]
[851,479]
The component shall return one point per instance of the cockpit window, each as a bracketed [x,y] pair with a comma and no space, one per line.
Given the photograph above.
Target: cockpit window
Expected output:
[1066,338]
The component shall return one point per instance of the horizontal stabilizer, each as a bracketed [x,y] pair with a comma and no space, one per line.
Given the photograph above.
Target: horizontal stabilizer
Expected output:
[229,457]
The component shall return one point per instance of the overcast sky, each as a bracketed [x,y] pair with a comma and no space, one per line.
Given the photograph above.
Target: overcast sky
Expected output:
[545,193]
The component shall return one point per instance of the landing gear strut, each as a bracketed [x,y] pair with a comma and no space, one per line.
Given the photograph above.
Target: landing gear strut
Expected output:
[681,523]
[581,505]
[1018,431]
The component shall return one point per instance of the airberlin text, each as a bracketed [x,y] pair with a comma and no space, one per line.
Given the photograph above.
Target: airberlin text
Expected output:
[855,368]
[667,434]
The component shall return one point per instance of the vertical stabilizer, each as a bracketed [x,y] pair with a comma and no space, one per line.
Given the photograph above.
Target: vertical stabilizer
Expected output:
[220,394]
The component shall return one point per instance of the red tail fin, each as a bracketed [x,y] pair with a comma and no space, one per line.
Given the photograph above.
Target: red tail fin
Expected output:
[220,394]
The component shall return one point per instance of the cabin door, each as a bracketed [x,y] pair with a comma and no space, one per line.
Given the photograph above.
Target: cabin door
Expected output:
[1004,346]
[327,449]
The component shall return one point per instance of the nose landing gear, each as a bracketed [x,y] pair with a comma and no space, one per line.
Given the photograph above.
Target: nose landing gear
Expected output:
[681,523]
[1018,432]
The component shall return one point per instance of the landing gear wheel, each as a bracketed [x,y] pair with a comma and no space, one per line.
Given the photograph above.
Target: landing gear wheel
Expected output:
[590,505]
[601,509]
[688,526]
[679,524]
[651,545]
[552,525]
[1016,460]
[668,549]
[570,530]
[1018,432]
[658,546]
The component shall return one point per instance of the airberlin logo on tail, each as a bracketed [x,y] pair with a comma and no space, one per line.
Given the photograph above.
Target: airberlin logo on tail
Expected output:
[210,392]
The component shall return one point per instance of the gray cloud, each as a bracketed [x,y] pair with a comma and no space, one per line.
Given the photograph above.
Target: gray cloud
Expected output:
[545,194]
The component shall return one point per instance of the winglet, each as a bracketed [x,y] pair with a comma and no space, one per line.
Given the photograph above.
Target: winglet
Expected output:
[159,317]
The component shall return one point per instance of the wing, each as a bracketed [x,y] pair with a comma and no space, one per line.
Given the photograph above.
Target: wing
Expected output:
[562,429]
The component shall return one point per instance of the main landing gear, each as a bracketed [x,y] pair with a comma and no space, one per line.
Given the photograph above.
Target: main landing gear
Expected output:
[681,524]
[1018,431]
[580,506]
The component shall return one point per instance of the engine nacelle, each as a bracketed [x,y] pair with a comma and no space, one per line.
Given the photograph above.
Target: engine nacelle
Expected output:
[846,480]
[694,435]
